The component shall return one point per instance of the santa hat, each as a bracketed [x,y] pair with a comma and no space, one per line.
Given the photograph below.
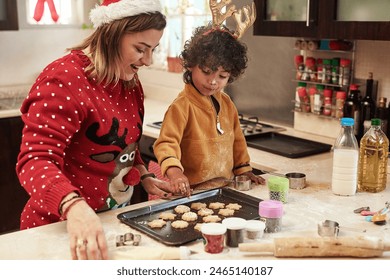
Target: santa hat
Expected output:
[111,10]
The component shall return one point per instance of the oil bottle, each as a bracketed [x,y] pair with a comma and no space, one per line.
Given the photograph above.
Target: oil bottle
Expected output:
[374,146]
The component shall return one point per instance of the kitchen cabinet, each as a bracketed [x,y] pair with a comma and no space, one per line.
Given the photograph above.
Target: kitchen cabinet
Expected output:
[338,19]
[363,20]
[293,18]
[12,196]
[8,15]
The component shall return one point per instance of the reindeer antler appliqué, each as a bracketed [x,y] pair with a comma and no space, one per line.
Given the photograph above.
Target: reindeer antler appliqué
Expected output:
[216,11]
[250,17]
[244,17]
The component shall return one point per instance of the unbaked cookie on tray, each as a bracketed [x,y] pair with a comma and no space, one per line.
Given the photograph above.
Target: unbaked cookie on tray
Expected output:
[179,224]
[211,219]
[181,209]
[189,216]
[234,206]
[216,205]
[198,205]
[226,212]
[158,223]
[167,216]
[205,212]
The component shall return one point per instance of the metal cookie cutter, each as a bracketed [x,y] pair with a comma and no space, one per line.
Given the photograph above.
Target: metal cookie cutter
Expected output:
[128,239]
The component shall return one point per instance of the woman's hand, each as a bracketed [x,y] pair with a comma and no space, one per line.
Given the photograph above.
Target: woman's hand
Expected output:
[87,238]
[157,187]
[257,179]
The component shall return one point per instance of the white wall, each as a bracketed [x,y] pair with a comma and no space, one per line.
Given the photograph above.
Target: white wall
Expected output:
[24,53]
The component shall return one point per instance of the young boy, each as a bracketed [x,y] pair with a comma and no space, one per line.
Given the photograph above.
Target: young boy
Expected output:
[201,138]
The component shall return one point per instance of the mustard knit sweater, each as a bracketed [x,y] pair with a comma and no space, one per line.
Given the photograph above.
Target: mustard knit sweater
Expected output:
[189,138]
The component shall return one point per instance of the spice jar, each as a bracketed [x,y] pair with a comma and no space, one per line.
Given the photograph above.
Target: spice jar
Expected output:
[327,102]
[344,71]
[235,231]
[254,230]
[300,66]
[271,211]
[278,188]
[214,237]
[340,100]
[304,100]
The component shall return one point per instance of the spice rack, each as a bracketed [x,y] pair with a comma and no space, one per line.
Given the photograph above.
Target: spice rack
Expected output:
[324,66]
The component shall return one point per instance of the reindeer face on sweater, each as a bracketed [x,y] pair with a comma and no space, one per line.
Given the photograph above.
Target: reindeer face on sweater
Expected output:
[124,176]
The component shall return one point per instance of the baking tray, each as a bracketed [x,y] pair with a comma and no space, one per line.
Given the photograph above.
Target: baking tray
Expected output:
[285,145]
[168,235]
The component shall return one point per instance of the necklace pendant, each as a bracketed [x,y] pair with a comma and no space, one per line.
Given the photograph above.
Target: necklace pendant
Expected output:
[220,130]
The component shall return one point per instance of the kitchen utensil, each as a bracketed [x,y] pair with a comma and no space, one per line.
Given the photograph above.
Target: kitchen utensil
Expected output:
[150,253]
[360,246]
[242,183]
[297,180]
[330,228]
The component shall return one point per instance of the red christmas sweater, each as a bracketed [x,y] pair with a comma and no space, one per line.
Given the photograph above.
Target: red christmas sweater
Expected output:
[79,136]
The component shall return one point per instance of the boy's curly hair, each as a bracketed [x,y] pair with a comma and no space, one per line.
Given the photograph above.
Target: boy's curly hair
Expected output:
[214,47]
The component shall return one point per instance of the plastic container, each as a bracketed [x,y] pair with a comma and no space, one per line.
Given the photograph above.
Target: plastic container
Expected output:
[278,188]
[234,231]
[345,160]
[271,211]
[254,230]
[214,237]
[373,159]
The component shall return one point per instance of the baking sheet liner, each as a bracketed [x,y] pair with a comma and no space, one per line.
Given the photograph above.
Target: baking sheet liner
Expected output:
[168,235]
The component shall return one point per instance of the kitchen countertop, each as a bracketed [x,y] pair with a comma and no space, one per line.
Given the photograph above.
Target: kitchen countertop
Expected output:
[303,211]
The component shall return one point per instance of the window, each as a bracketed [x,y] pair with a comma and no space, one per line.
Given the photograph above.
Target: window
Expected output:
[182,17]
[63,13]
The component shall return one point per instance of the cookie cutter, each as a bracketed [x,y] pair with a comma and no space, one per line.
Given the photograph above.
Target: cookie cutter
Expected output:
[128,239]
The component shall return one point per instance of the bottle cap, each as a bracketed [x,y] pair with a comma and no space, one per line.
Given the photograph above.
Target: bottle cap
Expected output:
[353,87]
[302,92]
[375,122]
[344,62]
[270,209]
[301,84]
[312,91]
[347,121]
[341,95]
[298,59]
[327,92]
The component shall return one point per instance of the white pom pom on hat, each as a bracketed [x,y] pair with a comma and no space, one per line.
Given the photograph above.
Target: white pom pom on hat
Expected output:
[111,10]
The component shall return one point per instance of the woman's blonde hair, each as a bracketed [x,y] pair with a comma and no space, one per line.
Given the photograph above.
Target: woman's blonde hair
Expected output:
[103,45]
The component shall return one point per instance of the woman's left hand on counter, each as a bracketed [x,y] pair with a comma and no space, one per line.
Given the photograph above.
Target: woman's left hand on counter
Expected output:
[87,238]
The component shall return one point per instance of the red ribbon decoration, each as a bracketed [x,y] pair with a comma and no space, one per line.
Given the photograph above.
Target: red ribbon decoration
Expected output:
[40,7]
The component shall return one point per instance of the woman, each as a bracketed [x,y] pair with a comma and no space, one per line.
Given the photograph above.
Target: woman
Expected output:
[83,118]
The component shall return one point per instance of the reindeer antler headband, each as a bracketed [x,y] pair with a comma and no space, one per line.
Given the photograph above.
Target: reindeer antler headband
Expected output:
[219,17]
